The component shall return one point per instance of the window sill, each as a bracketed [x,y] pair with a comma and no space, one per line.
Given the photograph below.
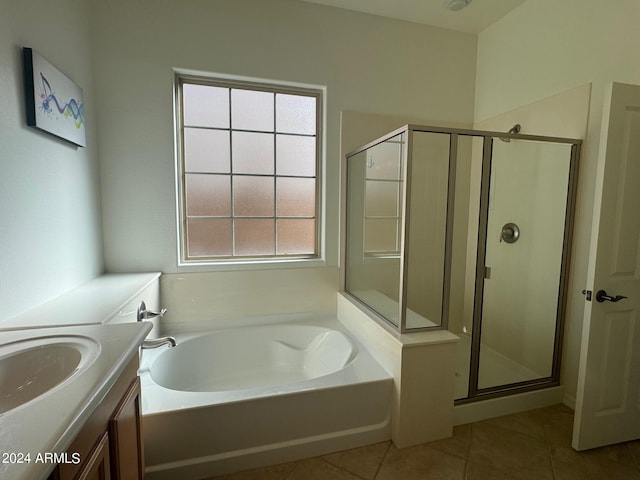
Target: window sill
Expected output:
[249,264]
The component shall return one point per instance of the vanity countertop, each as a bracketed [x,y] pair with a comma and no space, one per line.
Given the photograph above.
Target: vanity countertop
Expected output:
[49,423]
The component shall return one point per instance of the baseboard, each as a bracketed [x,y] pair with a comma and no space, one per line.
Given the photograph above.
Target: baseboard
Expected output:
[569,401]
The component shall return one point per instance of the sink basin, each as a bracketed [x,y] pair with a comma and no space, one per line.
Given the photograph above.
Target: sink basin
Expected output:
[34,367]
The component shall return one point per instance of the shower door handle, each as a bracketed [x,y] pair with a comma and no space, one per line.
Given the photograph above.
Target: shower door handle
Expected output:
[601,296]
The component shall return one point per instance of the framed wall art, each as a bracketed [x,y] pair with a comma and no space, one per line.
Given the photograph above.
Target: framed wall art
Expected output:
[53,101]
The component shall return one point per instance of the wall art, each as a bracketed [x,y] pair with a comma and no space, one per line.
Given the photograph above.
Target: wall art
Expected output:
[53,101]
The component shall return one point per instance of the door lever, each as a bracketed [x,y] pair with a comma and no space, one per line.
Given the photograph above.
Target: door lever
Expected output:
[602,296]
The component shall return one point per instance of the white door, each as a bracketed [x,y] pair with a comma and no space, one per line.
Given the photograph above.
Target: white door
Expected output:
[608,397]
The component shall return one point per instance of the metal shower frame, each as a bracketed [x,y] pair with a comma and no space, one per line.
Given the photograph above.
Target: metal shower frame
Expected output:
[488,137]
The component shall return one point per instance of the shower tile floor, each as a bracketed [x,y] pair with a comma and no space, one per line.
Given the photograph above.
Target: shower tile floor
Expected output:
[533,445]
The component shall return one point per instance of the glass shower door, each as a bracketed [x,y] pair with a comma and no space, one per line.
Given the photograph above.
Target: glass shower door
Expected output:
[529,187]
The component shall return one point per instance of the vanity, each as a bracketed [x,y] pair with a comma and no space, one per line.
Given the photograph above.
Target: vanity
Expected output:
[109,446]
[69,388]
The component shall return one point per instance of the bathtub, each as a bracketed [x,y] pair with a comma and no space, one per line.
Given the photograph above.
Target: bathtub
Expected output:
[258,394]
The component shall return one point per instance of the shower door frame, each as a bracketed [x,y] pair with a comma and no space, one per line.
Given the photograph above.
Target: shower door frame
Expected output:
[474,393]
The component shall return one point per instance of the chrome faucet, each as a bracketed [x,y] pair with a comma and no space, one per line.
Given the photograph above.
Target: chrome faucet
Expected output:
[144,314]
[156,342]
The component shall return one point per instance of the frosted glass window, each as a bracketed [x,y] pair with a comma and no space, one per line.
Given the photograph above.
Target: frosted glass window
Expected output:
[382,199]
[206,150]
[208,237]
[296,236]
[295,114]
[248,170]
[205,106]
[254,236]
[296,155]
[251,110]
[208,195]
[252,153]
[296,197]
[253,196]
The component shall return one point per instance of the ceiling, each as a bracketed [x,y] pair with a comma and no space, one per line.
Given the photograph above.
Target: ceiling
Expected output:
[472,19]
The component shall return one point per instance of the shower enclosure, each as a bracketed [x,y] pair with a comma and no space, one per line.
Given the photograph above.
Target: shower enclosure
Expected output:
[468,231]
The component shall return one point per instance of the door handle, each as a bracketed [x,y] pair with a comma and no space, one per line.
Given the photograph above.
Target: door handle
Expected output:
[602,296]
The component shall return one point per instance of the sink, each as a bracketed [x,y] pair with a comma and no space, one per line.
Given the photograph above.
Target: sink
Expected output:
[34,367]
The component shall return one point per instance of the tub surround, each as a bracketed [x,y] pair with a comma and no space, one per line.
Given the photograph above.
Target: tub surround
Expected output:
[108,298]
[198,296]
[395,386]
[423,367]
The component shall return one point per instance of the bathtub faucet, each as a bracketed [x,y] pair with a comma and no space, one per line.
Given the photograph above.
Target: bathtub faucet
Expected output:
[156,342]
[144,314]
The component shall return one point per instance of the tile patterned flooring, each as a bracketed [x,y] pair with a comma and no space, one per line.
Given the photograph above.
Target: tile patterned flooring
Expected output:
[533,445]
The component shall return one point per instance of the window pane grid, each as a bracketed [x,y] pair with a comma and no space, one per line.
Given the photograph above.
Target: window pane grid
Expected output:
[293,232]
[272,217]
[266,175]
[244,130]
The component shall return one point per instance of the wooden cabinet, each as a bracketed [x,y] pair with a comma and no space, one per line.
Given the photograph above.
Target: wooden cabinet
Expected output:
[110,443]
[126,439]
[97,467]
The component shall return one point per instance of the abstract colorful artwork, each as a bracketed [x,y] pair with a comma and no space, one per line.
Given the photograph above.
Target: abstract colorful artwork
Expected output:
[54,102]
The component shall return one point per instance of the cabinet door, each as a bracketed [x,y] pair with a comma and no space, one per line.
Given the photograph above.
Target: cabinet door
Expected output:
[126,437]
[97,466]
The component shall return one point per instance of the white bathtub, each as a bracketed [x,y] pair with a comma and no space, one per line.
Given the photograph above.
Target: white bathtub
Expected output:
[254,395]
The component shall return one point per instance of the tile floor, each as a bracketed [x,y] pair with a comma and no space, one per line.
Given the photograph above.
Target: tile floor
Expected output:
[532,445]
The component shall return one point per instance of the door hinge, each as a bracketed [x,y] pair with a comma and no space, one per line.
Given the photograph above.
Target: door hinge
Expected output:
[588,294]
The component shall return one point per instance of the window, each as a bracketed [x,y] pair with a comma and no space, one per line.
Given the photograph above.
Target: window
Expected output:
[249,159]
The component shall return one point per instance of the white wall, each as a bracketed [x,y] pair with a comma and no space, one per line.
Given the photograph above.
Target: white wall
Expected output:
[50,225]
[368,64]
[540,49]
[50,220]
